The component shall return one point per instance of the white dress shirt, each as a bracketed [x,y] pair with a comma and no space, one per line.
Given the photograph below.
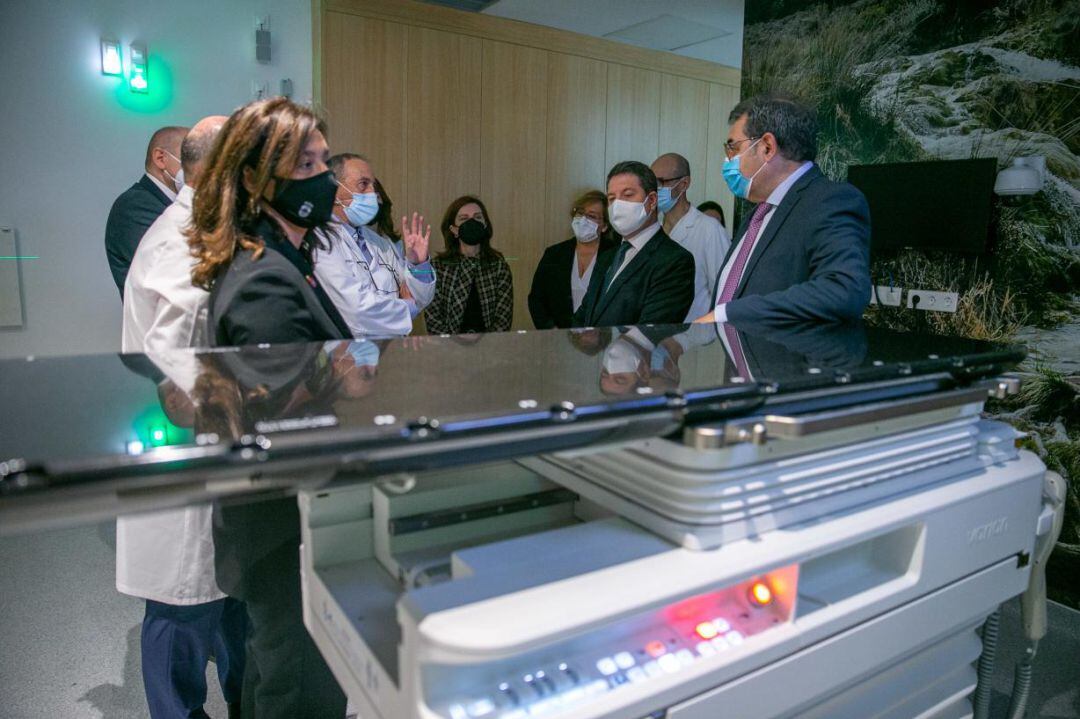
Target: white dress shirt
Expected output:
[169,192]
[635,246]
[360,273]
[579,284]
[166,556]
[705,239]
[162,309]
[774,199]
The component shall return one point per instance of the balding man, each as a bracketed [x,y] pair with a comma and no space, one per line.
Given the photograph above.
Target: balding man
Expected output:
[138,206]
[699,234]
[167,558]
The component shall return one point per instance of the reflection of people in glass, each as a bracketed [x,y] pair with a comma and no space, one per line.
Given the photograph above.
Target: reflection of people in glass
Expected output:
[641,357]
[356,365]
[257,542]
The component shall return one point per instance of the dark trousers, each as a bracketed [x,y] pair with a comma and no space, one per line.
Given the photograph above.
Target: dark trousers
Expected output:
[177,642]
[286,676]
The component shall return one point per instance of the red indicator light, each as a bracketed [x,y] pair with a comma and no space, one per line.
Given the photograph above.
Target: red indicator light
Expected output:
[760,594]
[655,649]
[706,630]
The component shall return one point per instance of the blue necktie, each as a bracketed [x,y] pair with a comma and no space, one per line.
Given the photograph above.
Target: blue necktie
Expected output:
[620,255]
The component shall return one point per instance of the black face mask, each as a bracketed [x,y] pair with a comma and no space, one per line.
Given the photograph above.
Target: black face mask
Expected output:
[306,203]
[473,232]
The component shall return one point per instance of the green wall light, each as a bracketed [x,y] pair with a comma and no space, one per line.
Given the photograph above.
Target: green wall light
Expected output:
[139,81]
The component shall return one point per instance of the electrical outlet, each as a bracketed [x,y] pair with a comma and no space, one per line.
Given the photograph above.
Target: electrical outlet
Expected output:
[262,22]
[936,301]
[888,296]
[260,89]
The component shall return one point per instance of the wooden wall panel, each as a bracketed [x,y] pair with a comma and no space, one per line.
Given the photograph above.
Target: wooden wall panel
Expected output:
[722,100]
[577,127]
[633,115]
[513,159]
[364,78]
[684,126]
[442,106]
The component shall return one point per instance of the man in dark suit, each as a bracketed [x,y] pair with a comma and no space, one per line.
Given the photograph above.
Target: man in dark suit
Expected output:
[804,253]
[138,206]
[648,278]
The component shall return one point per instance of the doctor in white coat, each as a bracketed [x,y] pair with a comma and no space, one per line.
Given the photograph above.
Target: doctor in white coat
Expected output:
[167,558]
[376,287]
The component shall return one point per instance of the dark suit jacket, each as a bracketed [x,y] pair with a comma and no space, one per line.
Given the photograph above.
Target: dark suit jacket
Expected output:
[551,302]
[657,287]
[813,260]
[268,300]
[130,217]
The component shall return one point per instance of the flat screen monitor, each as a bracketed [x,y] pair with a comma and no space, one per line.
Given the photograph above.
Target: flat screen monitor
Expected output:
[938,205]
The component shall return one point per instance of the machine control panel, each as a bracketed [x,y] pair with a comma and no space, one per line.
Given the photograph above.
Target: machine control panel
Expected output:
[643,648]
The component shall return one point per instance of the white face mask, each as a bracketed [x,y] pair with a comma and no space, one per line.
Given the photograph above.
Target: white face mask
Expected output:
[585,230]
[178,179]
[627,217]
[621,357]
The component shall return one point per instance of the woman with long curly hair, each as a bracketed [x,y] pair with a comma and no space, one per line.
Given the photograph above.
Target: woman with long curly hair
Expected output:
[265,189]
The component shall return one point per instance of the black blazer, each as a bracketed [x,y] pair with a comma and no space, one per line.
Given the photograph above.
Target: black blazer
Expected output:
[657,287]
[812,262]
[269,300]
[551,302]
[130,217]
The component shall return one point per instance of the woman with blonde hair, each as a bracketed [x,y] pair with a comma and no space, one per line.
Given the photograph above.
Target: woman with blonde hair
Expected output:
[265,188]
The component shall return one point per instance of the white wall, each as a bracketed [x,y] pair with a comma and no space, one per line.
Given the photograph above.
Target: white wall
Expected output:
[69,145]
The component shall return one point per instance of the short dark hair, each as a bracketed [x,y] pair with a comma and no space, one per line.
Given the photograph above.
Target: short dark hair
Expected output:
[453,244]
[793,123]
[643,172]
[171,135]
[715,207]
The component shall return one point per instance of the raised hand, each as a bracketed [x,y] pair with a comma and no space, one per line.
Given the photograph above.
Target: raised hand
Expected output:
[415,236]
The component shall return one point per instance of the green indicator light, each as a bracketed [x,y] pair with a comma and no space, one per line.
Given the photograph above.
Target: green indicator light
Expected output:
[158,435]
[140,79]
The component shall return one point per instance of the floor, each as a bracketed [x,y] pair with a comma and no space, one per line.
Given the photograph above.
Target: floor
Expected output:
[69,643]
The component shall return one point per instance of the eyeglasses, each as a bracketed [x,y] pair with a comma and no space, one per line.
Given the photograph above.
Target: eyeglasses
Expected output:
[731,147]
[394,291]
[665,180]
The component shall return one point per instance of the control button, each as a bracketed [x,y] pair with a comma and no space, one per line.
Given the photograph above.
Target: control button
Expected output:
[734,638]
[706,630]
[706,649]
[720,644]
[607,666]
[637,674]
[596,687]
[653,669]
[481,708]
[509,694]
[685,657]
[625,660]
[458,712]
[669,663]
[722,625]
[655,649]
[617,680]
[536,686]
[543,678]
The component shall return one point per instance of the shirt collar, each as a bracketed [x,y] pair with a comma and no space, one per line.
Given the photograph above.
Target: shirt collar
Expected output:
[163,187]
[689,219]
[781,190]
[644,236]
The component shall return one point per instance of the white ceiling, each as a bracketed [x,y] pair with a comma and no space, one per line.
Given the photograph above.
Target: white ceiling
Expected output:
[706,29]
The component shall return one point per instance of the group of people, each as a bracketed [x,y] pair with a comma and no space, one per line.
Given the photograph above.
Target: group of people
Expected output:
[245,230]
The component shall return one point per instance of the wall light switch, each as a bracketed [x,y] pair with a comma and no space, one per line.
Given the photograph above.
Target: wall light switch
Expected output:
[11,309]
[932,301]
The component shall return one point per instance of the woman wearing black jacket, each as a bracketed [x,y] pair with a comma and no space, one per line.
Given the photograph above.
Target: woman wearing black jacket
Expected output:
[562,277]
[265,189]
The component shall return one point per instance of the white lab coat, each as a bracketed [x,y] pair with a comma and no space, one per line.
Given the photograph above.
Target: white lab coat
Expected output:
[367,298]
[703,237]
[166,556]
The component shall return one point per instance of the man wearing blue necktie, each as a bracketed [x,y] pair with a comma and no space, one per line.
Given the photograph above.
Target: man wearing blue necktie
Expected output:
[804,253]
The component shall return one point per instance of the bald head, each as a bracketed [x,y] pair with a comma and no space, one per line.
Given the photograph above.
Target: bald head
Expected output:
[197,145]
[163,155]
[671,165]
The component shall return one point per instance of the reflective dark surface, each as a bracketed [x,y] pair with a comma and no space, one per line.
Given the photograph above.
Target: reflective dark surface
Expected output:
[66,416]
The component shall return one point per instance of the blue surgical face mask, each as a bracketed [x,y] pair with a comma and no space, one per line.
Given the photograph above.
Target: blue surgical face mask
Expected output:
[739,185]
[362,209]
[364,353]
[664,200]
